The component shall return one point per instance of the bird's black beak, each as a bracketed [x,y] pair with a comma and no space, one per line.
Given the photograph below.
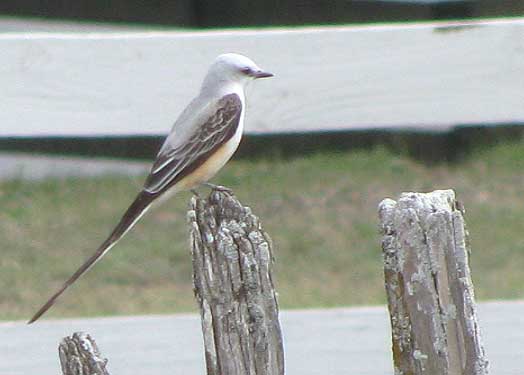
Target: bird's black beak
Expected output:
[262,74]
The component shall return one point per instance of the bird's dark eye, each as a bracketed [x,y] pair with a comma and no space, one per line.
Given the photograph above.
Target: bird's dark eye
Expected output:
[246,70]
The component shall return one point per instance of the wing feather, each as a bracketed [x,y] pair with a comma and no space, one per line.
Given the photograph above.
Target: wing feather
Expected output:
[177,162]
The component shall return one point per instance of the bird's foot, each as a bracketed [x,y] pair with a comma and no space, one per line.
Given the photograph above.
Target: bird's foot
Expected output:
[219,188]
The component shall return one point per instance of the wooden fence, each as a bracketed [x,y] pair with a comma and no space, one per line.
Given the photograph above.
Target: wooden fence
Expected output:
[435,329]
[423,76]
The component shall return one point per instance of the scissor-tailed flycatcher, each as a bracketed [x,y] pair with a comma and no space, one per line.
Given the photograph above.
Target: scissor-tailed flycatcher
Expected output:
[202,140]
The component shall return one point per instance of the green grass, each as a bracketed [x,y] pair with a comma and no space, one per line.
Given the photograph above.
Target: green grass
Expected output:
[319,209]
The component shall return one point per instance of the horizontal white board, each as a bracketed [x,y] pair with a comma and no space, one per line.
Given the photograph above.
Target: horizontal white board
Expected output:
[426,76]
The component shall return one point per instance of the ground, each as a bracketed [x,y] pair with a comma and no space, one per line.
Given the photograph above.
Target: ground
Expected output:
[320,210]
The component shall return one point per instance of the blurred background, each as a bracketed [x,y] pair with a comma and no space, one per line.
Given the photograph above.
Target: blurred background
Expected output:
[235,13]
[381,103]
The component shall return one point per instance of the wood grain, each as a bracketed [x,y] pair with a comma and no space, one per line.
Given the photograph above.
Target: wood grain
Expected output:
[232,278]
[434,324]
[79,355]
[423,76]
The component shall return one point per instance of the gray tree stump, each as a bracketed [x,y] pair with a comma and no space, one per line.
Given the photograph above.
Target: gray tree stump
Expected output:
[233,285]
[428,284]
[79,355]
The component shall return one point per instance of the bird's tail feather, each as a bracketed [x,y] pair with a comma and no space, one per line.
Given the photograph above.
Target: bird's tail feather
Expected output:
[139,207]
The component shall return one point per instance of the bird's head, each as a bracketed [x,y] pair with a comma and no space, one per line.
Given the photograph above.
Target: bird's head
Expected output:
[234,68]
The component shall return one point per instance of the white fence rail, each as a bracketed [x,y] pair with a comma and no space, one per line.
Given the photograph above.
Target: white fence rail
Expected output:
[429,76]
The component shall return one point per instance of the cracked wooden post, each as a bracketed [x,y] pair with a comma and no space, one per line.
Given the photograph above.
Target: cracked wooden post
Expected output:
[428,284]
[79,355]
[233,285]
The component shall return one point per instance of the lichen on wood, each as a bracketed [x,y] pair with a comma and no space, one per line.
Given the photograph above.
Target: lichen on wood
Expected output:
[79,355]
[232,277]
[430,295]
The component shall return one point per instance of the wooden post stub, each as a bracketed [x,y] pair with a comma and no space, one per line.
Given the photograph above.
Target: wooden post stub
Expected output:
[79,355]
[233,285]
[428,284]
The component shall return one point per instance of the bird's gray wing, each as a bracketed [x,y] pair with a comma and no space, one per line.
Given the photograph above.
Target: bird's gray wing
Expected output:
[178,159]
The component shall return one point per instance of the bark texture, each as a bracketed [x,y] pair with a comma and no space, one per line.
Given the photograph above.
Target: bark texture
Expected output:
[428,284]
[79,355]
[232,279]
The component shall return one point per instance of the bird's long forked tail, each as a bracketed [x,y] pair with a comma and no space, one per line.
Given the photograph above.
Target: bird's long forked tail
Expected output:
[139,206]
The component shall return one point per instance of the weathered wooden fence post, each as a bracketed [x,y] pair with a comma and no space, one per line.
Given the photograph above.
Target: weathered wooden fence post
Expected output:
[79,355]
[430,294]
[232,264]
[233,285]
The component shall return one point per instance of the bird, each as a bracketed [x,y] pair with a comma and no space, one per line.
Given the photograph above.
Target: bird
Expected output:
[201,141]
